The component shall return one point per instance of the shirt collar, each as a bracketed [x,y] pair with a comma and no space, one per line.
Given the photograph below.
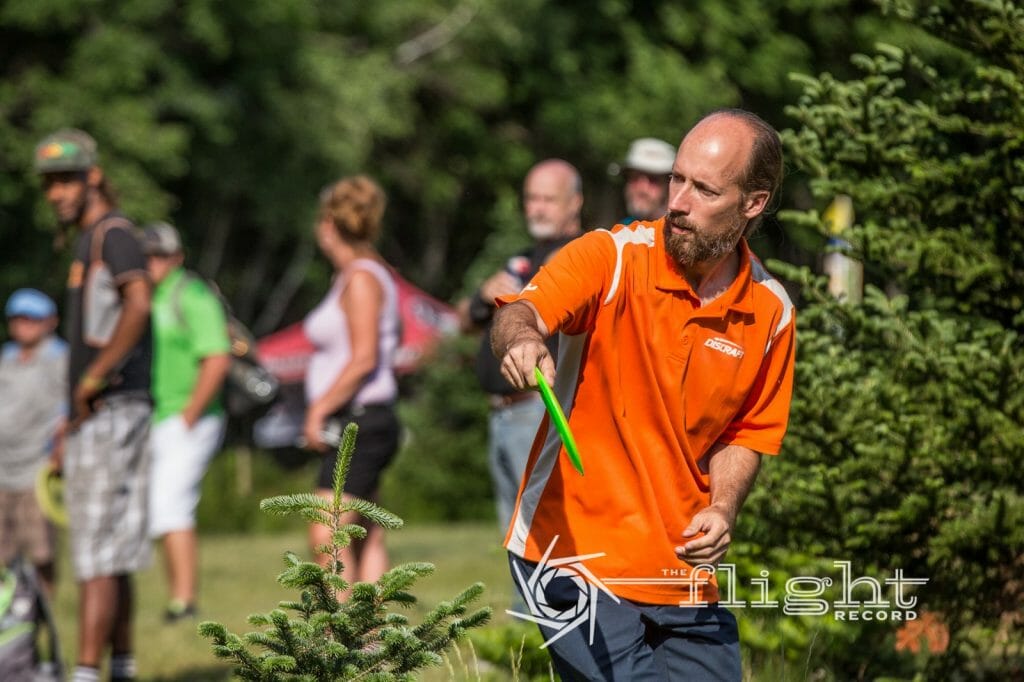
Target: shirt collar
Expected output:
[736,297]
[169,282]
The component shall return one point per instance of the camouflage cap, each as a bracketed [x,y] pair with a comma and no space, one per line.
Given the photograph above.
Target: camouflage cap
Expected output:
[160,239]
[66,150]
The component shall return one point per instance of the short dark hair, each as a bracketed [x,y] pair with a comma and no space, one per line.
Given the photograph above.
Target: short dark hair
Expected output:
[764,169]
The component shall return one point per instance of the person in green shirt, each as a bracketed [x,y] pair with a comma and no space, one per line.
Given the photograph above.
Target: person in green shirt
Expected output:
[191,357]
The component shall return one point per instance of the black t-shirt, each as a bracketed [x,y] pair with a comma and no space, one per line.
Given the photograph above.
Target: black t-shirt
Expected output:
[523,265]
[94,301]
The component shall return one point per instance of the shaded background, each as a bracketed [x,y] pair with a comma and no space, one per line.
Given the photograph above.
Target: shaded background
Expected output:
[226,118]
[906,445]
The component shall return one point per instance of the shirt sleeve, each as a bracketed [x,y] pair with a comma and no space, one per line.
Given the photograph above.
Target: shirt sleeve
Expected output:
[567,290]
[762,420]
[123,255]
[206,321]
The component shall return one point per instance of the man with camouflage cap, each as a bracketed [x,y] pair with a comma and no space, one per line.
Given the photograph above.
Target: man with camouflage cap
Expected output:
[191,359]
[106,453]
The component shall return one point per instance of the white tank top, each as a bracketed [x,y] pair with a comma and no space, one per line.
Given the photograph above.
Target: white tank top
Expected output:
[327,328]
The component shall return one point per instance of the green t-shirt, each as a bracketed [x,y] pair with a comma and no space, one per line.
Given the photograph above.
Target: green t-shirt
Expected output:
[188,325]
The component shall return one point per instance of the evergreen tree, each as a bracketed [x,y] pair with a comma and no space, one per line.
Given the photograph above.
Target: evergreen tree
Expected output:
[906,445]
[328,638]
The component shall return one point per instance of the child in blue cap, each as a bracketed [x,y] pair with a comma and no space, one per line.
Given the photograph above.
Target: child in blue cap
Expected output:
[33,398]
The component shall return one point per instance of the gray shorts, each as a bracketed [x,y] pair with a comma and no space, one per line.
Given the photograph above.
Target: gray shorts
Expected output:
[106,473]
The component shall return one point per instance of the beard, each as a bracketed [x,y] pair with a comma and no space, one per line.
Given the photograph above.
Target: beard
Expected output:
[541,230]
[644,207]
[644,210]
[71,215]
[70,210]
[699,245]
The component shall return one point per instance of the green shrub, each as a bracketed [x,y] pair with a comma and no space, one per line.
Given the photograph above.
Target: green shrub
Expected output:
[777,645]
[515,648]
[330,639]
[906,444]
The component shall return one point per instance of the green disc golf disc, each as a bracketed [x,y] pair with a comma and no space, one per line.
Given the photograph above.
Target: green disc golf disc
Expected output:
[558,417]
[50,495]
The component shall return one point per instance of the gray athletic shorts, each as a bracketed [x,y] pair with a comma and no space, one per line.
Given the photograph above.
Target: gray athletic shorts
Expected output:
[106,474]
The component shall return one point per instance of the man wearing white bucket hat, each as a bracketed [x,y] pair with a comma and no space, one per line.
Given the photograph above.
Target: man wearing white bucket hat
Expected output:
[645,170]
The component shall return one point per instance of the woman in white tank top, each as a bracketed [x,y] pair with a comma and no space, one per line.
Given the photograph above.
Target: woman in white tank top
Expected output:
[355,331]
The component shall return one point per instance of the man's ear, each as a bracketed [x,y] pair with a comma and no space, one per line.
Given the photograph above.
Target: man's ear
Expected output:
[577,203]
[755,203]
[94,177]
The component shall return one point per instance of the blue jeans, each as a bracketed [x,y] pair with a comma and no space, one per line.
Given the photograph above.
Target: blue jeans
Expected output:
[511,433]
[633,641]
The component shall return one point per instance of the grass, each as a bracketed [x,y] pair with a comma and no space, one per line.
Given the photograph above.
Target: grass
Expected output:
[238,570]
[237,574]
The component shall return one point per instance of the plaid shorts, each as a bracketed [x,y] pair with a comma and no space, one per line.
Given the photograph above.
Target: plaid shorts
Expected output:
[23,528]
[106,471]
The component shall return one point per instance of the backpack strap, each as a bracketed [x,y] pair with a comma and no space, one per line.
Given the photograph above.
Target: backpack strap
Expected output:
[179,286]
[240,338]
[100,231]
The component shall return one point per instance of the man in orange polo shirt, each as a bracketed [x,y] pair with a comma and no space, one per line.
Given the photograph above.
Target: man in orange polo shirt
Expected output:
[675,369]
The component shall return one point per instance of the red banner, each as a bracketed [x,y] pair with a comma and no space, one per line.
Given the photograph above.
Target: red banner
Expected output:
[425,320]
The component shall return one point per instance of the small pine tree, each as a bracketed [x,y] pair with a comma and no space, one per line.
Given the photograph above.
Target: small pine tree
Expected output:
[326,638]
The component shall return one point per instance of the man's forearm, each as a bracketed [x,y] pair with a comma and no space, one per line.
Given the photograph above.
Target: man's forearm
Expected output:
[212,371]
[514,323]
[129,329]
[732,471]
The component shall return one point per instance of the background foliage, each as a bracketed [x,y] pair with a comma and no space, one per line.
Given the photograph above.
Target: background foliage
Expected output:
[905,447]
[906,443]
[228,117]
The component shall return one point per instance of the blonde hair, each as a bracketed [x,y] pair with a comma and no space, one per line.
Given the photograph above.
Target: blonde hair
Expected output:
[355,206]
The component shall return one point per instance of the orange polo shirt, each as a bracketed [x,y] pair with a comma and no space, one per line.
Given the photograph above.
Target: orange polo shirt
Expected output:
[650,380]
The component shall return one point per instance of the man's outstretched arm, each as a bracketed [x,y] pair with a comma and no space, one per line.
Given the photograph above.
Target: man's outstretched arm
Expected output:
[517,340]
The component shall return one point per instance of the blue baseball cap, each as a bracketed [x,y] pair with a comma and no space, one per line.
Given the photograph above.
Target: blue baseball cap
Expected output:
[30,303]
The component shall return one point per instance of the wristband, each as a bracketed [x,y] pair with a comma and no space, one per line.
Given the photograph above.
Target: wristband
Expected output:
[91,383]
